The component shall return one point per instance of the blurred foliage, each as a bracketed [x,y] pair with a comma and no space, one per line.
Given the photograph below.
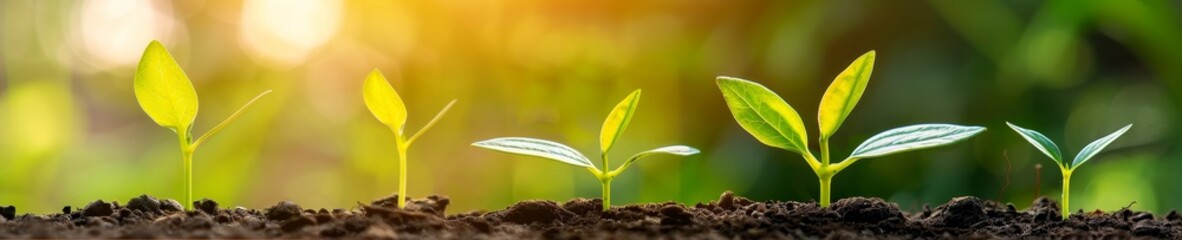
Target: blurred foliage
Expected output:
[71,132]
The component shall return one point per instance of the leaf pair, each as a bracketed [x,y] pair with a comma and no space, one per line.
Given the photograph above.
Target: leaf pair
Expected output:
[167,96]
[612,128]
[1048,147]
[775,123]
[387,106]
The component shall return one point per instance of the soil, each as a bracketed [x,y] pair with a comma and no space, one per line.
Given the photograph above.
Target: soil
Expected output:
[729,217]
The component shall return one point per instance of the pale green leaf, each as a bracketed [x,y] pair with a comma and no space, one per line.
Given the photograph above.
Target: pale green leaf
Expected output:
[913,137]
[617,121]
[678,150]
[843,94]
[764,114]
[163,90]
[537,148]
[1041,142]
[384,102]
[1094,148]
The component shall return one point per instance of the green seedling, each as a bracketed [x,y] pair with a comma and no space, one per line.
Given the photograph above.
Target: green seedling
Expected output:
[775,123]
[613,127]
[387,106]
[167,96]
[1046,146]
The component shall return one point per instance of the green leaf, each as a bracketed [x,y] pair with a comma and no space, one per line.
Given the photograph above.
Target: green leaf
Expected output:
[913,137]
[537,148]
[764,114]
[617,120]
[1094,148]
[384,102]
[843,94]
[1044,144]
[678,150]
[163,90]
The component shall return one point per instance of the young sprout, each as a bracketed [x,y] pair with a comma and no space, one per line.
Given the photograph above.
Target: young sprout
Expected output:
[774,123]
[1046,146]
[167,96]
[613,127]
[387,106]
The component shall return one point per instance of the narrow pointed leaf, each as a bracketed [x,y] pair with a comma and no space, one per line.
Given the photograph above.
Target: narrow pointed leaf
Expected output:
[843,94]
[764,114]
[537,148]
[678,150]
[1094,148]
[384,102]
[163,90]
[617,121]
[1041,142]
[913,137]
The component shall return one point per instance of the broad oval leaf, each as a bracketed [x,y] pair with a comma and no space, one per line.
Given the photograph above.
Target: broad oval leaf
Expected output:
[843,94]
[617,120]
[538,148]
[1094,148]
[163,90]
[1044,144]
[384,102]
[913,137]
[764,114]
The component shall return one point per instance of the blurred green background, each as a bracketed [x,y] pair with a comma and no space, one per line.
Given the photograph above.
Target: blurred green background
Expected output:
[72,132]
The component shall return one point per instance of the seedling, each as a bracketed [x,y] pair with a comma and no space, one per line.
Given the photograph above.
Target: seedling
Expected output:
[613,127]
[1046,146]
[167,96]
[775,123]
[387,106]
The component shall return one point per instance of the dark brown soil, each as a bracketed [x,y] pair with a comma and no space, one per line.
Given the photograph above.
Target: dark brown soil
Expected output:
[729,217]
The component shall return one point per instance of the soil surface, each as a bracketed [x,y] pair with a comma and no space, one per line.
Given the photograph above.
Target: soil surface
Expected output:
[729,217]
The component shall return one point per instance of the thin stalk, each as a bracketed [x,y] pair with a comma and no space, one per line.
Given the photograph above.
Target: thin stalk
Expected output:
[187,161]
[824,152]
[228,120]
[607,193]
[1066,193]
[401,172]
[826,179]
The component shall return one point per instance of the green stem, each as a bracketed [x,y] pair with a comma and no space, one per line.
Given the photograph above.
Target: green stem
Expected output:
[607,193]
[401,173]
[1066,194]
[187,161]
[824,152]
[826,179]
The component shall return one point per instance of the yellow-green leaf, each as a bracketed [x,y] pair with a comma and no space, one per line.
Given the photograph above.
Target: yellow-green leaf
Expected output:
[384,102]
[617,120]
[163,90]
[764,114]
[844,93]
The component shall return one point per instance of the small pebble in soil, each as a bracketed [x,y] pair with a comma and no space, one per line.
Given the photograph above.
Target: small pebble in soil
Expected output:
[98,208]
[171,206]
[867,210]
[8,212]
[283,211]
[1141,217]
[527,212]
[144,203]
[960,212]
[207,206]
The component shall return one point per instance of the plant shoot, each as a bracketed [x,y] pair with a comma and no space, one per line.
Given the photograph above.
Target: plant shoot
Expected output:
[1048,147]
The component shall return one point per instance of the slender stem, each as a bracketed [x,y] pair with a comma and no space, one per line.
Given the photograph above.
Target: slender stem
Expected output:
[826,179]
[607,193]
[1066,194]
[824,152]
[187,161]
[402,147]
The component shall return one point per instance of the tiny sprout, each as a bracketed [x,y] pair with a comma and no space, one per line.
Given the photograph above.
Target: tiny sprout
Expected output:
[387,106]
[1047,147]
[775,123]
[613,126]
[167,96]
